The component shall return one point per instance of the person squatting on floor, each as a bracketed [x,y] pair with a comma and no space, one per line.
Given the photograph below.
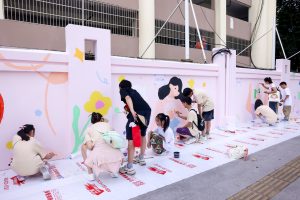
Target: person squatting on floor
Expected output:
[265,113]
[189,133]
[162,138]
[103,157]
[29,157]
[137,107]
[205,107]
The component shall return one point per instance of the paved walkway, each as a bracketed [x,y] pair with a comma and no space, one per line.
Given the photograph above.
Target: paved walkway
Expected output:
[227,180]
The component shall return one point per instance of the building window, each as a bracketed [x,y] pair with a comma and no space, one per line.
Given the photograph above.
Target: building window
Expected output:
[238,45]
[174,34]
[203,3]
[119,20]
[237,10]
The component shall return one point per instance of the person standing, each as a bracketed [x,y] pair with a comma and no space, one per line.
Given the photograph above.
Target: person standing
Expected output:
[272,91]
[205,108]
[286,100]
[138,108]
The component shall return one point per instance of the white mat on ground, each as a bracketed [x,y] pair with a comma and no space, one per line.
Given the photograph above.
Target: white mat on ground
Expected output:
[68,181]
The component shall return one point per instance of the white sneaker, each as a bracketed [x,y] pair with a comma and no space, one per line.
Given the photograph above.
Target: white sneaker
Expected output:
[90,177]
[204,138]
[139,161]
[45,172]
[191,140]
[114,175]
[125,170]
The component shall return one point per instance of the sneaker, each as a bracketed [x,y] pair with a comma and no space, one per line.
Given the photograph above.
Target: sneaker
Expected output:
[191,141]
[45,172]
[204,138]
[126,170]
[90,177]
[138,160]
[114,175]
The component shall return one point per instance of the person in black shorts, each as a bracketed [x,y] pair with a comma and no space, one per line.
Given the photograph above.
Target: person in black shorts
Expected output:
[137,106]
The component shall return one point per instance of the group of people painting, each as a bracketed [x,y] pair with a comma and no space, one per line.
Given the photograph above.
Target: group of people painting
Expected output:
[277,97]
[104,158]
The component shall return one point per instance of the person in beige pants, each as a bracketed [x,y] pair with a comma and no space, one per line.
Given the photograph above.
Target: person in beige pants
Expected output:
[286,100]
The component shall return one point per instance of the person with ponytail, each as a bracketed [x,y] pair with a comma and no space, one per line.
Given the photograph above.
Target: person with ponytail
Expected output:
[103,157]
[28,155]
[271,91]
[162,138]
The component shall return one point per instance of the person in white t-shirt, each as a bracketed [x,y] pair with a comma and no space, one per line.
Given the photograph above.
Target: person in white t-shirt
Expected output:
[162,138]
[272,89]
[189,132]
[286,100]
[265,113]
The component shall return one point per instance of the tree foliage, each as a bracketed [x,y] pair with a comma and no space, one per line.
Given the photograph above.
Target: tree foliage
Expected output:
[288,25]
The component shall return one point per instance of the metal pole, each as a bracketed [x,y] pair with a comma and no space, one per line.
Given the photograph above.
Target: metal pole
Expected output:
[274,42]
[255,41]
[82,12]
[280,42]
[187,30]
[198,31]
[161,28]
[293,55]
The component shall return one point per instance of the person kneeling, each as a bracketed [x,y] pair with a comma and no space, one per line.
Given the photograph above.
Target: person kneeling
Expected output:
[161,139]
[189,132]
[29,157]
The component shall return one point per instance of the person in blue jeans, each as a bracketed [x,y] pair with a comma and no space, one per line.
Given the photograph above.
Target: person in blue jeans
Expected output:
[272,89]
[137,108]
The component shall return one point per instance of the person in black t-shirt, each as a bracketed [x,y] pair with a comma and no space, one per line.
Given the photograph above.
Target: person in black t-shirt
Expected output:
[138,108]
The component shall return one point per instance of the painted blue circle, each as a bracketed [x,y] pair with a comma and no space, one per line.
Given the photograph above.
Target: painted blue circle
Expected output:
[38,113]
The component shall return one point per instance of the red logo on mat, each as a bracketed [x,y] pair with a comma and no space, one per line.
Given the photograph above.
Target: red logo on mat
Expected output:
[132,180]
[6,185]
[202,156]
[156,170]
[93,189]
[181,162]
[103,185]
[17,181]
[52,194]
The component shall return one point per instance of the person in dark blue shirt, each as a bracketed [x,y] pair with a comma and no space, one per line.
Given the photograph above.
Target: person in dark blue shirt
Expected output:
[139,112]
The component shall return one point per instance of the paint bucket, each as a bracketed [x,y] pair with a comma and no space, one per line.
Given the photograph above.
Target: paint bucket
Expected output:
[176,154]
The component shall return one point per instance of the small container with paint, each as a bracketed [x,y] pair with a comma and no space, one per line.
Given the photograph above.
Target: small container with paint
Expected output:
[176,154]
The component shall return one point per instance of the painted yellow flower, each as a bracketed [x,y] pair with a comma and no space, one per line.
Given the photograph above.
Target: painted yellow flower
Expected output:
[98,103]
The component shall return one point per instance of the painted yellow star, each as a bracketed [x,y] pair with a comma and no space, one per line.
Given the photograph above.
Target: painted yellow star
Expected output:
[79,54]
[121,78]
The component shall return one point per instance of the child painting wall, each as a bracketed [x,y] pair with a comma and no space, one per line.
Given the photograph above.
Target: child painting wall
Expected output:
[31,94]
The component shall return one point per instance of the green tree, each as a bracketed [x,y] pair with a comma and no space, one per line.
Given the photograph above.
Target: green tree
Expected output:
[288,25]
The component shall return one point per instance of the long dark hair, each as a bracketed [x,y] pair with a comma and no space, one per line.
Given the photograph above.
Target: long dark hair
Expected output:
[268,79]
[164,118]
[96,117]
[25,130]
[165,90]
[258,103]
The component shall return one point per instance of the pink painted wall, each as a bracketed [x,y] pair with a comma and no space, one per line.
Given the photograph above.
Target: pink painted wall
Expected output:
[57,91]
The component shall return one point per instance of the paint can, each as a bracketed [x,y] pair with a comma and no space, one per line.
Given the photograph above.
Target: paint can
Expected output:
[176,154]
